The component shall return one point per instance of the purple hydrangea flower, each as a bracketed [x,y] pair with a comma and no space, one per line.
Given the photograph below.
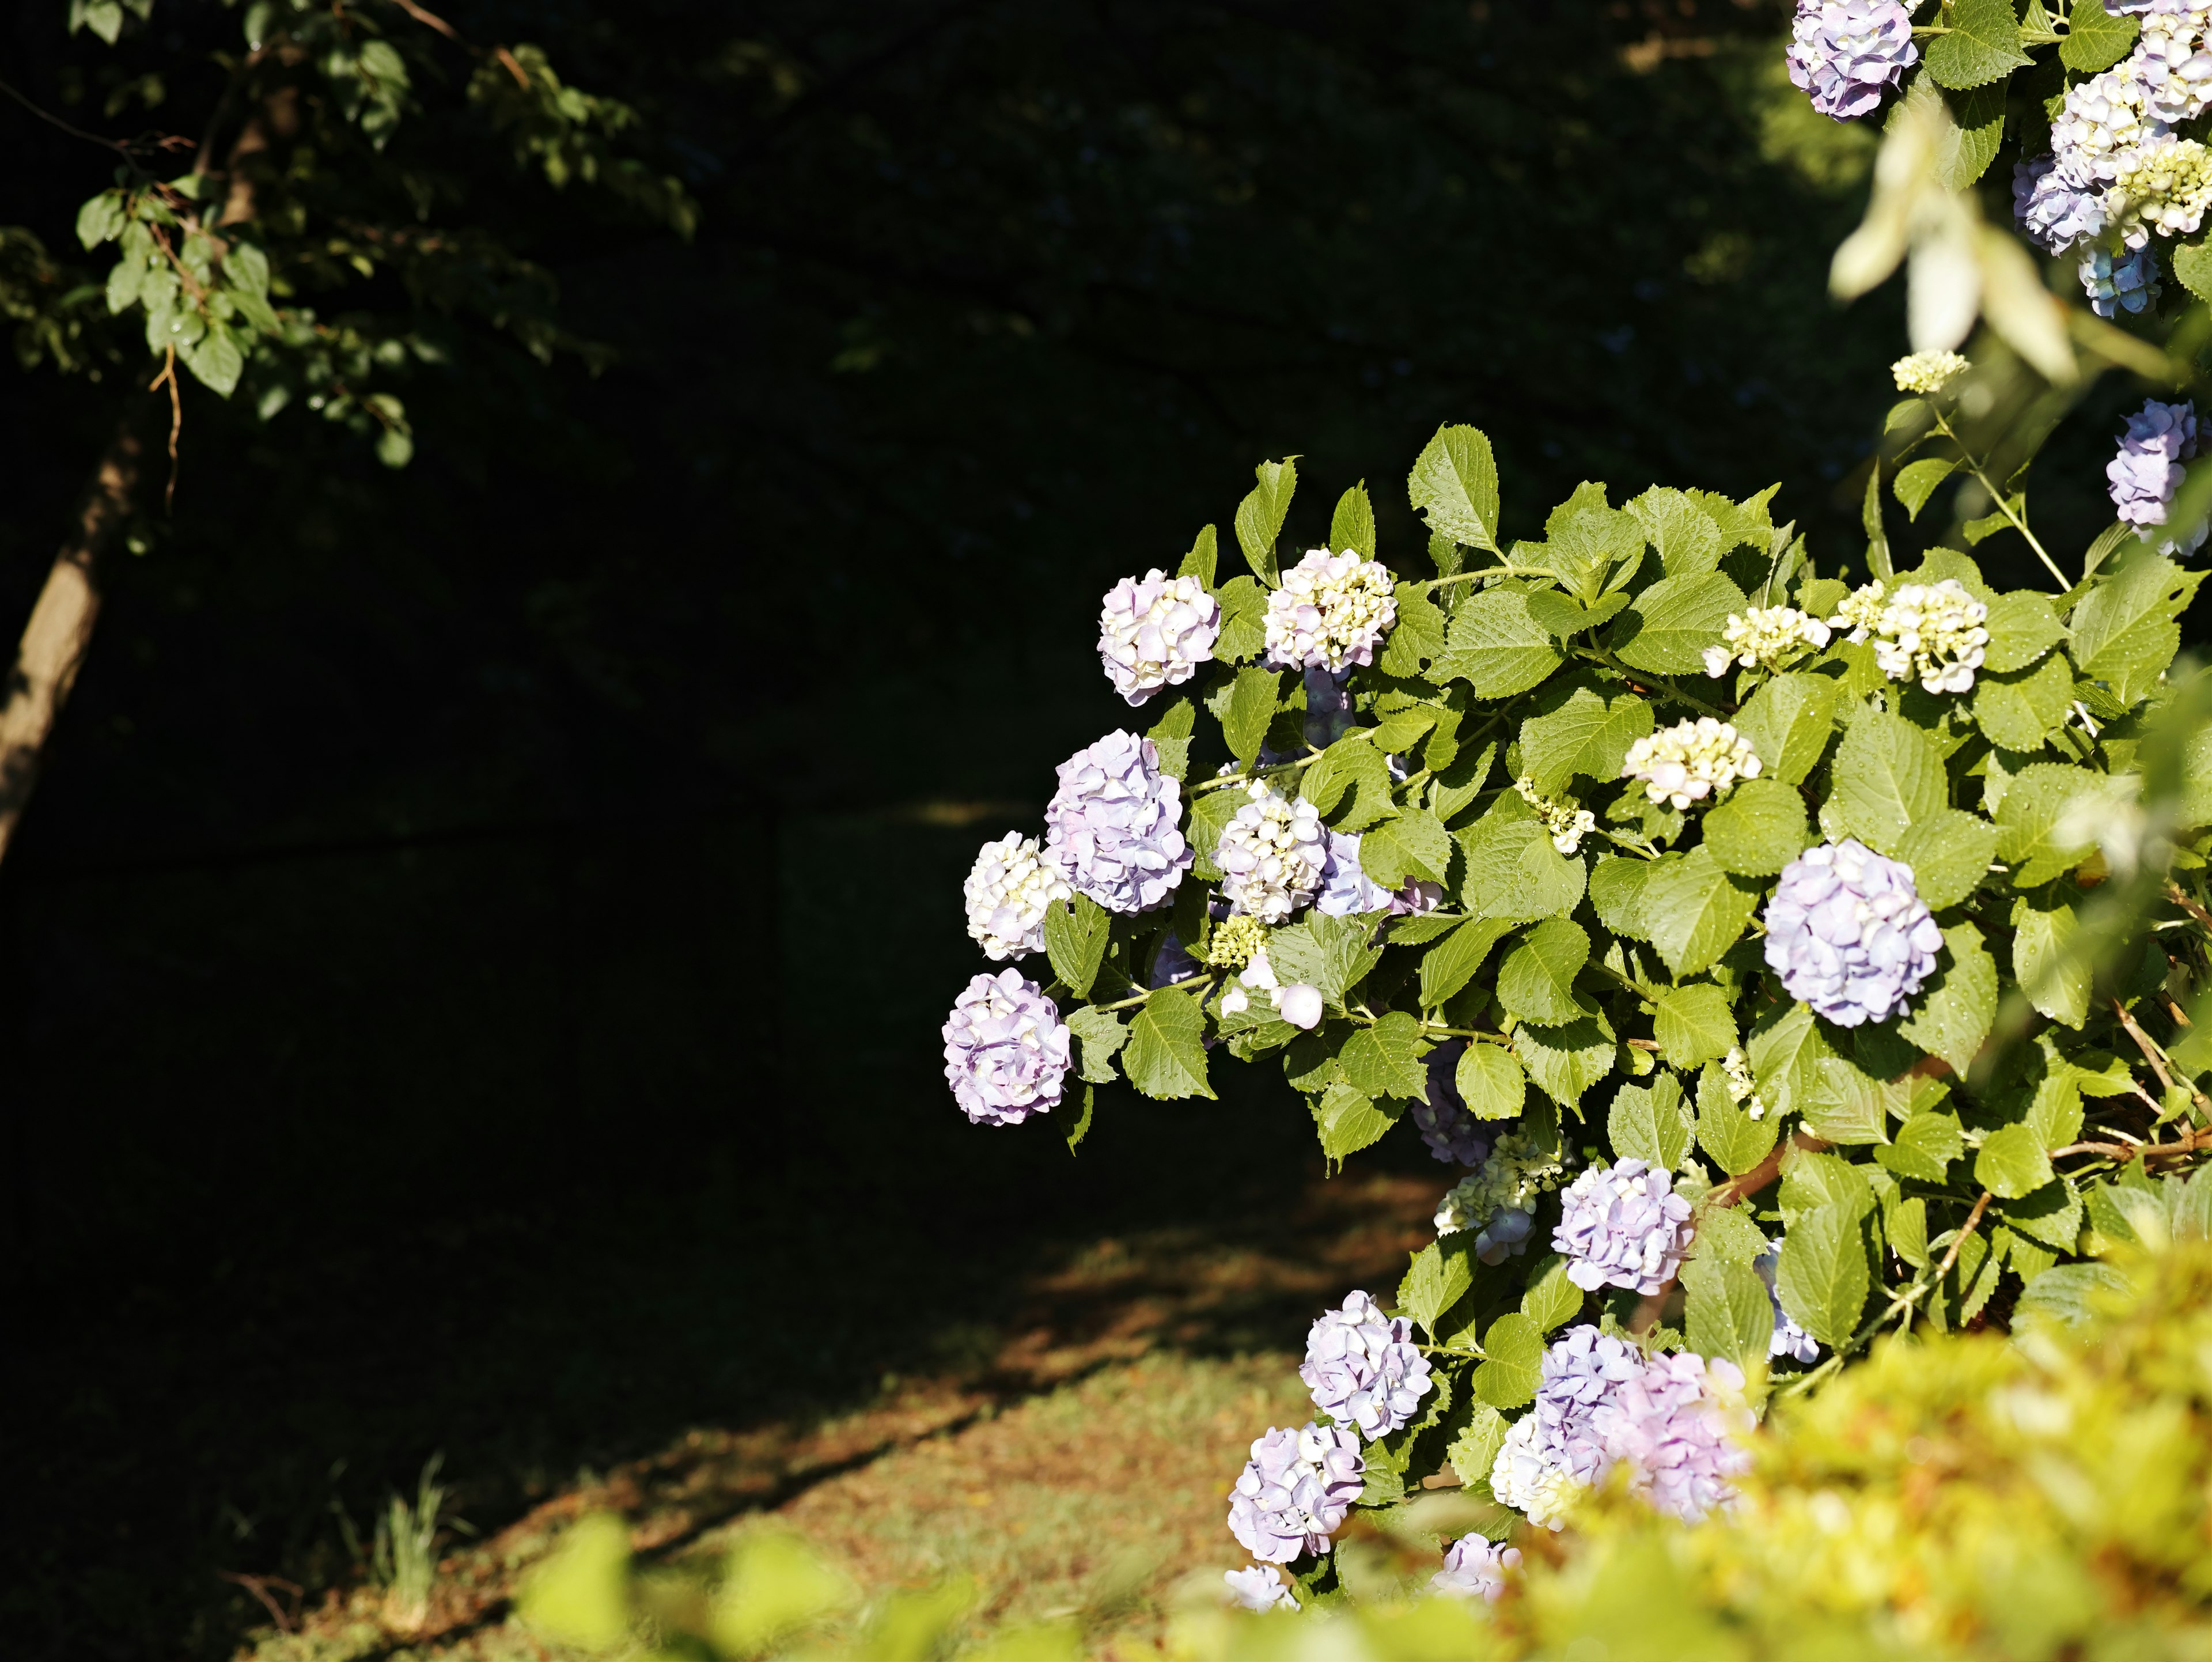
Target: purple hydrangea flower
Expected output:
[1154,632]
[1346,891]
[2116,282]
[1623,1226]
[1005,1050]
[1257,1588]
[1669,1425]
[1788,1339]
[1363,1369]
[1476,1568]
[1849,934]
[1847,53]
[2148,470]
[2055,210]
[1454,1135]
[1329,705]
[1295,1491]
[1111,828]
[1560,1444]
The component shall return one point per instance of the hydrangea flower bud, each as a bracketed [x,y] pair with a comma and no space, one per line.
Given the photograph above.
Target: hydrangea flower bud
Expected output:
[1332,611]
[1296,1490]
[1257,1588]
[1860,612]
[1111,828]
[1363,1369]
[1788,1339]
[2055,210]
[1005,1050]
[1271,855]
[2148,470]
[1476,1568]
[2125,282]
[2102,124]
[1453,1134]
[1849,934]
[1675,1425]
[1567,824]
[1690,762]
[1155,631]
[2170,63]
[1558,1447]
[1008,891]
[1771,637]
[2169,184]
[1929,372]
[1299,1004]
[1847,53]
[1623,1226]
[1498,1200]
[1238,940]
[1742,1088]
[1933,631]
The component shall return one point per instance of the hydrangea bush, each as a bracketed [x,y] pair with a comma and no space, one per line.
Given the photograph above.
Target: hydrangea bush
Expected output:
[1759,947]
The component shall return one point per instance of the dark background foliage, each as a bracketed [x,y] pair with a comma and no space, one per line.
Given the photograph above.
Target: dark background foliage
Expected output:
[473,964]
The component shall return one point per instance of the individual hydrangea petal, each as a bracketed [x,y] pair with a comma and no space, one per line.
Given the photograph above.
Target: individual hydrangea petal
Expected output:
[1300,1004]
[1271,855]
[1931,630]
[1677,1425]
[1567,824]
[1362,1367]
[1498,1200]
[1008,892]
[2056,212]
[1453,1134]
[1691,762]
[1154,632]
[2148,470]
[1332,611]
[1295,1491]
[1257,1588]
[1771,637]
[1849,934]
[1623,1226]
[1847,53]
[1005,1050]
[1476,1568]
[1112,828]
[1788,1339]
[2116,282]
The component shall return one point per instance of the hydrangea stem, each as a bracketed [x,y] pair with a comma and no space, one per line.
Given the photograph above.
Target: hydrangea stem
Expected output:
[2004,505]
[1172,986]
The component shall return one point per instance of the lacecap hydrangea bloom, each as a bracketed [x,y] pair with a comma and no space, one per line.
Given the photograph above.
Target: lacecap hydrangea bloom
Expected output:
[1111,828]
[1005,1050]
[2116,282]
[1332,611]
[1847,53]
[1931,630]
[1295,1491]
[1558,1448]
[1623,1226]
[2056,209]
[1271,855]
[1849,934]
[1364,1369]
[1691,761]
[2148,470]
[1498,1200]
[1768,637]
[1476,1568]
[1008,891]
[1676,1424]
[1788,1339]
[1258,1587]
[1154,631]
[1927,372]
[1453,1134]
[1567,824]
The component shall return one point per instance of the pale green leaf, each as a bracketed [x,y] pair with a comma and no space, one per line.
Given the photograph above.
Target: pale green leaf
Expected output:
[1650,1122]
[1668,626]
[1788,724]
[1565,1062]
[1348,1120]
[1353,526]
[1473,1452]
[2124,632]
[1759,829]
[1513,1352]
[1581,733]
[1695,911]
[1822,1277]
[1917,481]
[1949,853]
[1260,516]
[1693,1025]
[2095,38]
[1204,558]
[1497,646]
[2020,710]
[1953,1014]
[1726,1131]
[1688,540]
[1923,1148]
[1100,1033]
[1385,1059]
[1437,1277]
[2055,977]
[1165,1055]
[1453,486]
[1253,700]
[1888,775]
[1413,844]
[1491,1082]
[1451,963]
[1727,1311]
[2011,1163]
[2023,626]
[1075,934]
[2040,833]
[1551,1300]
[1982,45]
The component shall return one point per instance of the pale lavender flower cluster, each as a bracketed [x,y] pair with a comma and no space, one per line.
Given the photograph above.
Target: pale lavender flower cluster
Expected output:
[1623,1226]
[1005,1050]
[2147,469]
[1362,1367]
[1346,891]
[1454,1135]
[1476,1568]
[1559,1445]
[1849,934]
[1847,53]
[1788,1339]
[1257,1588]
[1154,631]
[1295,1491]
[2055,210]
[1111,828]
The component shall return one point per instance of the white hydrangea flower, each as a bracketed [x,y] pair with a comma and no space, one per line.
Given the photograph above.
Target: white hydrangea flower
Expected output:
[1272,854]
[2103,122]
[1860,611]
[1929,372]
[1522,1478]
[2170,64]
[1933,631]
[1155,631]
[1691,762]
[1332,610]
[2169,185]
[1742,1088]
[1008,891]
[1765,637]
[1567,824]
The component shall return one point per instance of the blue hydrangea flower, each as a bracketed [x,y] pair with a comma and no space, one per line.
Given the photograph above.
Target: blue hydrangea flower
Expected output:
[1676,1425]
[1623,1226]
[1847,53]
[1363,1369]
[1849,934]
[1558,1448]
[2123,282]
[2147,471]
[2055,210]
[1295,1491]
[1453,1134]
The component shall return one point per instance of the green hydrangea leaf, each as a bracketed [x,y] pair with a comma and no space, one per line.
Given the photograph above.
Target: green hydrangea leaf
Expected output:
[2055,978]
[1437,1277]
[1204,557]
[1352,524]
[1759,829]
[1917,481]
[1244,620]
[1550,1300]
[1253,700]
[1727,1312]
[1888,775]
[1512,869]
[1453,486]
[1100,1034]
[1788,724]
[1260,516]
[1385,1059]
[1536,982]
[1650,1122]
[1695,911]
[2124,632]
[1075,935]
[1689,542]
[1330,953]
[1579,731]
[2011,1163]
[1949,853]
[1451,963]
[1726,1131]
[1414,844]
[2039,834]
[2019,711]
[2023,625]
[1496,646]
[1165,1055]
[1953,1014]
[1668,626]
[1473,1452]
[1513,1361]
[1491,1082]
[1349,1120]
[1823,1280]
[1693,1025]
[1982,45]
[1924,1147]
[1565,1062]
[2095,38]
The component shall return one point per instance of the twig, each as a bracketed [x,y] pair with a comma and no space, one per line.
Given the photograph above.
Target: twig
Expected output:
[1172,986]
[176,421]
[1247,777]
[259,1586]
[114,144]
[2181,897]
[2157,1058]
[2192,1142]
[1966,1229]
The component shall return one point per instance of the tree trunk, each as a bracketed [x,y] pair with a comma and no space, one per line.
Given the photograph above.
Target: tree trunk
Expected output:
[59,633]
